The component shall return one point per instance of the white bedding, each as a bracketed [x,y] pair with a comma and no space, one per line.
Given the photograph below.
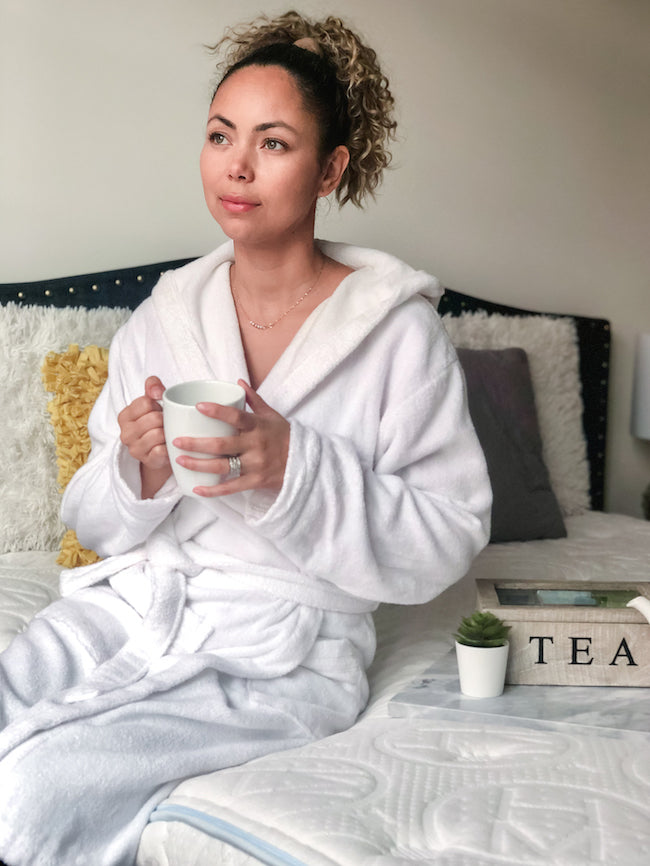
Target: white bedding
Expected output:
[29,581]
[433,792]
[599,547]
[392,790]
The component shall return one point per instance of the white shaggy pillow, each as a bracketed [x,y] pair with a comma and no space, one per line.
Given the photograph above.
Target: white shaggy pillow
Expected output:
[30,499]
[552,348]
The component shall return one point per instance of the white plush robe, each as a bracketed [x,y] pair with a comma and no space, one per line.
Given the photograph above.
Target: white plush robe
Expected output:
[260,601]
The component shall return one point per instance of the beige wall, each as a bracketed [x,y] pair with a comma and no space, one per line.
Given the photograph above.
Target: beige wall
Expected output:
[521,174]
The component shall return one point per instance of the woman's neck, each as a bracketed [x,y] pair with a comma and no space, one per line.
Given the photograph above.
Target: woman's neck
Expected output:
[268,281]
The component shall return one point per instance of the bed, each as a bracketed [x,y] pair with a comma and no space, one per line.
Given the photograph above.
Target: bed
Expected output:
[459,789]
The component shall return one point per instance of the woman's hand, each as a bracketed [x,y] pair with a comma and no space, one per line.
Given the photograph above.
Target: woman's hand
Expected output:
[261,443]
[141,431]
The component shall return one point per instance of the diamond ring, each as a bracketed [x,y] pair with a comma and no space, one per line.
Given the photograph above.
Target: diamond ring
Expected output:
[235,467]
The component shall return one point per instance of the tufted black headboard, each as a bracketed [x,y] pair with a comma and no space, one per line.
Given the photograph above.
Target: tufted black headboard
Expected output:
[123,287]
[127,287]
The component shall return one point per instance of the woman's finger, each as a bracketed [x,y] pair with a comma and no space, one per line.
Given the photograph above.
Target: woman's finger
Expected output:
[141,406]
[158,457]
[237,418]
[154,388]
[216,465]
[257,404]
[150,446]
[218,447]
[235,485]
[134,429]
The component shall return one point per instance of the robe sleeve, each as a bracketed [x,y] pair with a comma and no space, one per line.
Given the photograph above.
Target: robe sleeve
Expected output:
[102,501]
[406,525]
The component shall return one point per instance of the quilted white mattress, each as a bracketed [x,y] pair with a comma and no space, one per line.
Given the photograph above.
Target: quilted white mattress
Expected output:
[396,790]
[392,791]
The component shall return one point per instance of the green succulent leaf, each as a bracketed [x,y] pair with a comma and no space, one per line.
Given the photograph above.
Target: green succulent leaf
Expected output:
[482,629]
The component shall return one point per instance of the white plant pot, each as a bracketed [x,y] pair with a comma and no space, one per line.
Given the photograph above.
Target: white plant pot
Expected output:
[482,670]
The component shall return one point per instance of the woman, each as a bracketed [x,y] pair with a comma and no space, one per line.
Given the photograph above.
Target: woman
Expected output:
[225,626]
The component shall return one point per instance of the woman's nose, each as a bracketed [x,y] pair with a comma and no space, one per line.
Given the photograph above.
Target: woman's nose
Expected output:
[241,165]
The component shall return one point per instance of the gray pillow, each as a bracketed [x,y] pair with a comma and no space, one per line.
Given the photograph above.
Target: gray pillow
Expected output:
[502,406]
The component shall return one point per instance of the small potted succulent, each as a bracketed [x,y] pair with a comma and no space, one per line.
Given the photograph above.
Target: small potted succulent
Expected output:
[482,653]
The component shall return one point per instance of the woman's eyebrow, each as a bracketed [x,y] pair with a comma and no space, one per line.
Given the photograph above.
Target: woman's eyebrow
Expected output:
[223,120]
[261,127]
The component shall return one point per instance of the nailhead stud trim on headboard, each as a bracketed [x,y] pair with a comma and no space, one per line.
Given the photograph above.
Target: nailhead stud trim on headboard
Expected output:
[126,287]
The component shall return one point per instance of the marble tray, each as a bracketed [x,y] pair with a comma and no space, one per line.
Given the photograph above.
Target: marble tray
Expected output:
[611,710]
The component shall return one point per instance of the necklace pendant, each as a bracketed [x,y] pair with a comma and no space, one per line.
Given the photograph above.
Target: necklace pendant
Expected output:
[258,326]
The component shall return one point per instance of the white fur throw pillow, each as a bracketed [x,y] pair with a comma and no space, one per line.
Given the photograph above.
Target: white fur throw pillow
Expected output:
[552,349]
[30,499]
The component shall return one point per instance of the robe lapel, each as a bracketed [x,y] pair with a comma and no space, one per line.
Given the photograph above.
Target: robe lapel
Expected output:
[199,322]
[198,316]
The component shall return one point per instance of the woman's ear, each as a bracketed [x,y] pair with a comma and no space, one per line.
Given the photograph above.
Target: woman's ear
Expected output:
[333,169]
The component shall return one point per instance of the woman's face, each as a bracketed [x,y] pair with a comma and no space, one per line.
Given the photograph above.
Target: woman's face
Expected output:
[260,163]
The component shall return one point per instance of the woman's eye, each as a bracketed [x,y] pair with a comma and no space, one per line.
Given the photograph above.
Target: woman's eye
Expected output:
[217,137]
[274,144]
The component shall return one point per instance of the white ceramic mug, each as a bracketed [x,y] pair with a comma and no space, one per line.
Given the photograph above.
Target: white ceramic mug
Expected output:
[182,418]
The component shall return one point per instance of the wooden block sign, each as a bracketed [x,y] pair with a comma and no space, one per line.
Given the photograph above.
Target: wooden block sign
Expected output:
[579,635]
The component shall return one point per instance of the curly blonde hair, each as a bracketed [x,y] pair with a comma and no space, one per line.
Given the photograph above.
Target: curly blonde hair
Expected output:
[359,115]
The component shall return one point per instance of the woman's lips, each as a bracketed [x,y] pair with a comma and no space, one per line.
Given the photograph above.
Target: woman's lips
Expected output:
[237,205]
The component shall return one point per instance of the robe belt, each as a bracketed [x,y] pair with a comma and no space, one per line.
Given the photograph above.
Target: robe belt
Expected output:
[165,567]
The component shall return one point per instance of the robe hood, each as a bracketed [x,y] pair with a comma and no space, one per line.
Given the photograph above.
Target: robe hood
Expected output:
[390,276]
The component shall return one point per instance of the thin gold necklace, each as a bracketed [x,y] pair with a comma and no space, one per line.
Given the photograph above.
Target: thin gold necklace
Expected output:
[268,325]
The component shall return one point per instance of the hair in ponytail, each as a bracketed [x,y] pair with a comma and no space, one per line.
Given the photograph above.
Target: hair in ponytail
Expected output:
[340,80]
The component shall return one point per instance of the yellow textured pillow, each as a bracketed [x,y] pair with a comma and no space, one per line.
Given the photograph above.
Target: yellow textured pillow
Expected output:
[75,377]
